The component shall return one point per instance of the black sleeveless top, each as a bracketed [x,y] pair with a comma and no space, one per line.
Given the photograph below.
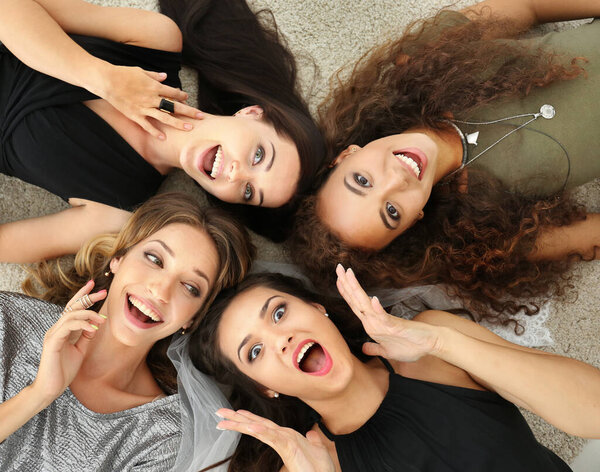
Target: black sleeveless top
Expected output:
[49,138]
[428,427]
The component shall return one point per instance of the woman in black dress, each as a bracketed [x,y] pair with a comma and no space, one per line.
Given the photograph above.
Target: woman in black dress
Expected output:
[441,396]
[82,115]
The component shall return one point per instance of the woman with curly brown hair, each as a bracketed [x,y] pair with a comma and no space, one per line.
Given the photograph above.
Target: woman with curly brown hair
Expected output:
[454,144]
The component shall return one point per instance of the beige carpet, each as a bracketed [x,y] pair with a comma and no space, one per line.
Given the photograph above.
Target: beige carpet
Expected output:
[335,32]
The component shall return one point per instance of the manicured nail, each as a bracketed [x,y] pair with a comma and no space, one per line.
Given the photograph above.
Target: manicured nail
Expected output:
[187,126]
[102,291]
[162,137]
[220,429]
[162,74]
[93,326]
[219,414]
[103,316]
[199,115]
[89,281]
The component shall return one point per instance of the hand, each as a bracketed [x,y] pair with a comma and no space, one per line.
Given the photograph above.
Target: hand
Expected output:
[395,338]
[65,345]
[136,93]
[299,453]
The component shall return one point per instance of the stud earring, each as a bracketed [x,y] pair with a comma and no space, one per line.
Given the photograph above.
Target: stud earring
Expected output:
[326,314]
[182,331]
[107,273]
[275,395]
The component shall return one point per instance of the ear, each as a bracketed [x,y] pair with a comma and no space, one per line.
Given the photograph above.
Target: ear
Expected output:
[115,262]
[254,111]
[270,393]
[319,307]
[420,215]
[344,154]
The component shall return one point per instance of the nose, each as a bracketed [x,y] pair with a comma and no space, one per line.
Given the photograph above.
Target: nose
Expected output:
[160,288]
[284,343]
[236,172]
[397,179]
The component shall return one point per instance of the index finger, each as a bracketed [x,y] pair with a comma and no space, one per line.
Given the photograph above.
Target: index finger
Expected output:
[172,93]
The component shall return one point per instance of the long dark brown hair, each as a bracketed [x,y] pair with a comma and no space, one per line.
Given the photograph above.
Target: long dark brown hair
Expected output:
[242,59]
[50,281]
[476,242]
[251,454]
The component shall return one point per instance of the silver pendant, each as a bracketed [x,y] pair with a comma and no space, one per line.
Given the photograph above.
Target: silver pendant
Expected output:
[472,137]
[547,111]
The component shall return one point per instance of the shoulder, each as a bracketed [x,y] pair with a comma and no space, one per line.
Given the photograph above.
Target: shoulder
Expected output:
[19,309]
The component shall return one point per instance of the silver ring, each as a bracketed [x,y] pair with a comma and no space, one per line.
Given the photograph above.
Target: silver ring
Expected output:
[67,309]
[167,106]
[85,301]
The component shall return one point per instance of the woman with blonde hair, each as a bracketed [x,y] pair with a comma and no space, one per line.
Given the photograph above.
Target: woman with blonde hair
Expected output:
[85,378]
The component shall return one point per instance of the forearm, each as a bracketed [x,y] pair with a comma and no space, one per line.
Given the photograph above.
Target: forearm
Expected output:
[18,410]
[558,242]
[563,391]
[36,38]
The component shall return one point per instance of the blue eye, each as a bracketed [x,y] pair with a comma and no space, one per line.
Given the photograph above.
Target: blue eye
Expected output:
[391,210]
[254,352]
[154,259]
[194,292]
[258,156]
[248,193]
[278,313]
[361,180]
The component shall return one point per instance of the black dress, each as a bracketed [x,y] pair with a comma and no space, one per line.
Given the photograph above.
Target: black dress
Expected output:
[428,427]
[49,138]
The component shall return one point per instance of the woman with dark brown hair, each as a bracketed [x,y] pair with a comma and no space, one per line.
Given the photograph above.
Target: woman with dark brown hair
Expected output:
[454,145]
[83,93]
[85,380]
[441,397]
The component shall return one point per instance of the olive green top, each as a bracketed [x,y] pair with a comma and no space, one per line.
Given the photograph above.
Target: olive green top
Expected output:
[535,160]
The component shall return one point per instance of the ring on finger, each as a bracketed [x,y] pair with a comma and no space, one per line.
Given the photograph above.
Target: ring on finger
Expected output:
[67,309]
[85,301]
[167,106]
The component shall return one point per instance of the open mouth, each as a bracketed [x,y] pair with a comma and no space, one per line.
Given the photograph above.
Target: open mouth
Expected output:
[413,161]
[212,162]
[312,358]
[141,314]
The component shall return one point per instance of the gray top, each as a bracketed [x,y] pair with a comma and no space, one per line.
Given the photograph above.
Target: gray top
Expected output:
[67,436]
[548,154]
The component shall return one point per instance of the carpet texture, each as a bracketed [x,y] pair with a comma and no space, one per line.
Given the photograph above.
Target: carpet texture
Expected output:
[325,35]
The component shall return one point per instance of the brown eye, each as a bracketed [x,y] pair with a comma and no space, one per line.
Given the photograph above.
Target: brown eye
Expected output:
[391,210]
[361,180]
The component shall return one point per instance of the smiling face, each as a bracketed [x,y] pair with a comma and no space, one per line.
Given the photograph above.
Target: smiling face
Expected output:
[160,284]
[285,344]
[242,159]
[376,193]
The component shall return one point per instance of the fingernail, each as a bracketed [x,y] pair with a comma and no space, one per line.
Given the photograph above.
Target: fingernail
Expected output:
[220,428]
[93,326]
[89,281]
[199,115]
[219,414]
[161,137]
[102,291]
[162,74]
[187,126]
[375,298]
[103,316]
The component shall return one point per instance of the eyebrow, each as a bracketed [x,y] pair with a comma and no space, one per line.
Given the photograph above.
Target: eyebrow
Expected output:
[385,221]
[353,189]
[172,254]
[261,315]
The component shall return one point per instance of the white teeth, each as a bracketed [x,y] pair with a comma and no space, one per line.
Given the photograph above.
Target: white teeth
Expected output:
[407,160]
[305,348]
[216,163]
[144,309]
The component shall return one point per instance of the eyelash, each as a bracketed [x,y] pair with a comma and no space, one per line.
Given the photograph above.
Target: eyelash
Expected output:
[259,155]
[248,193]
[358,177]
[282,307]
[154,259]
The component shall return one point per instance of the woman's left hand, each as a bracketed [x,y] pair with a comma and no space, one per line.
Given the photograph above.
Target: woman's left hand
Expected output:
[299,453]
[395,338]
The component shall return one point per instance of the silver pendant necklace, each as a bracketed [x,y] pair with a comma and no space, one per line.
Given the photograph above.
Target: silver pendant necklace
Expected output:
[546,111]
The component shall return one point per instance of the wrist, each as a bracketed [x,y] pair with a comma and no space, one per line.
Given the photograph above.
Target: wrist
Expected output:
[446,338]
[96,79]
[38,397]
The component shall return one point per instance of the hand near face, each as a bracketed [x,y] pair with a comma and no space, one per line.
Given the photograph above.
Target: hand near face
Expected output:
[66,344]
[395,338]
[137,93]
[299,453]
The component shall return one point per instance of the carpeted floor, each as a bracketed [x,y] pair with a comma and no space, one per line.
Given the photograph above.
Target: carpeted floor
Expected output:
[334,33]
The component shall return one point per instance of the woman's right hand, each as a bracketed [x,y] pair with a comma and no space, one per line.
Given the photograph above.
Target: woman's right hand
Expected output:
[137,93]
[299,453]
[66,344]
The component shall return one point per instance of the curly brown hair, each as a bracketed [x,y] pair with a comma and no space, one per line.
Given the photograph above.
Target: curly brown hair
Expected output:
[476,242]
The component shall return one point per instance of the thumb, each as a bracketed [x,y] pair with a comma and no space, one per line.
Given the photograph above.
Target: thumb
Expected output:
[160,76]
[373,349]
[83,342]
[75,202]
[314,438]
